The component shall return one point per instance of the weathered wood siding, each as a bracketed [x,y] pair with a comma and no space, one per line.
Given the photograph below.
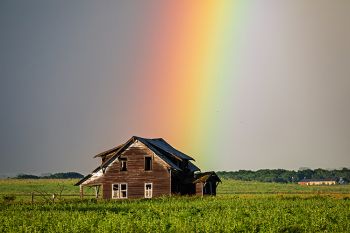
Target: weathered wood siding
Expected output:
[136,176]
[199,189]
[106,191]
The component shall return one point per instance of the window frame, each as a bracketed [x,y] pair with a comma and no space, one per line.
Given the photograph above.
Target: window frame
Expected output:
[119,192]
[151,190]
[113,191]
[126,191]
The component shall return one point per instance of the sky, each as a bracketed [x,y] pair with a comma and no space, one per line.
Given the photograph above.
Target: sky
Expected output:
[234,84]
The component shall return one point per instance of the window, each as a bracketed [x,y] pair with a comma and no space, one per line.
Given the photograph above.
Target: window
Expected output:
[115,191]
[148,190]
[148,163]
[119,191]
[123,166]
[123,190]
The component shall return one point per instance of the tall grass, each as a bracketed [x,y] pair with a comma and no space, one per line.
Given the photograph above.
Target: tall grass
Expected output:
[229,213]
[239,207]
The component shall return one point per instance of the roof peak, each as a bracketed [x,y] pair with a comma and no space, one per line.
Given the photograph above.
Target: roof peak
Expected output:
[136,137]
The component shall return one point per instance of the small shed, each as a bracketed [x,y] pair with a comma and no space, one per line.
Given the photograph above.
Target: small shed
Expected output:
[206,183]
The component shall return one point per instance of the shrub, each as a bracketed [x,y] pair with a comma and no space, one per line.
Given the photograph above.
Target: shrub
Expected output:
[9,197]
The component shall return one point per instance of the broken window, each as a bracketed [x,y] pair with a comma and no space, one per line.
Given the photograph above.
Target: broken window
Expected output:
[123,166]
[115,191]
[119,191]
[123,190]
[148,163]
[148,190]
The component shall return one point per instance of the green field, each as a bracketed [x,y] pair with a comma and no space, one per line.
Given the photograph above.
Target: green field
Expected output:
[255,187]
[16,186]
[238,207]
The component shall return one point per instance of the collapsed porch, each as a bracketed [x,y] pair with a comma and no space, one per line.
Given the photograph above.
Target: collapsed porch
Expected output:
[97,190]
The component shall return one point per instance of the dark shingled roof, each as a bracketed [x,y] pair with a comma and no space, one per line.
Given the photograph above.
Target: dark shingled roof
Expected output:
[163,145]
[192,167]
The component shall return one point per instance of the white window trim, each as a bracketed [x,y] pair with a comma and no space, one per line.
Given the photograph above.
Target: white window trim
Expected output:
[126,196]
[113,196]
[119,196]
[150,191]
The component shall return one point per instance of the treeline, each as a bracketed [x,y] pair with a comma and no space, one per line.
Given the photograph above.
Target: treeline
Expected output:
[286,176]
[61,175]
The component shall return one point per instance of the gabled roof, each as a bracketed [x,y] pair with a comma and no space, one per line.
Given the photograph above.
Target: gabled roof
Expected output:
[159,146]
[203,177]
[110,151]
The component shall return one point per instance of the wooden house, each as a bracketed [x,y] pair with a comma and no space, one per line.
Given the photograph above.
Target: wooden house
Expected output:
[146,168]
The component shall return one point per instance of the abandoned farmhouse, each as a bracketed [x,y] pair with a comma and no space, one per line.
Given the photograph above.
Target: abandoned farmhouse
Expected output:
[146,168]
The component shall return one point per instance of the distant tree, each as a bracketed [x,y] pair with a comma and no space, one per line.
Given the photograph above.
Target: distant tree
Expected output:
[305,174]
[26,176]
[286,176]
[62,175]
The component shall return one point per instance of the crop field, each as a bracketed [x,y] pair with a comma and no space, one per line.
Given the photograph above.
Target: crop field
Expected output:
[255,187]
[238,207]
[16,186]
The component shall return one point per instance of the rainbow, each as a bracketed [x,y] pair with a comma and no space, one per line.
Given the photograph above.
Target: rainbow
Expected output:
[188,73]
